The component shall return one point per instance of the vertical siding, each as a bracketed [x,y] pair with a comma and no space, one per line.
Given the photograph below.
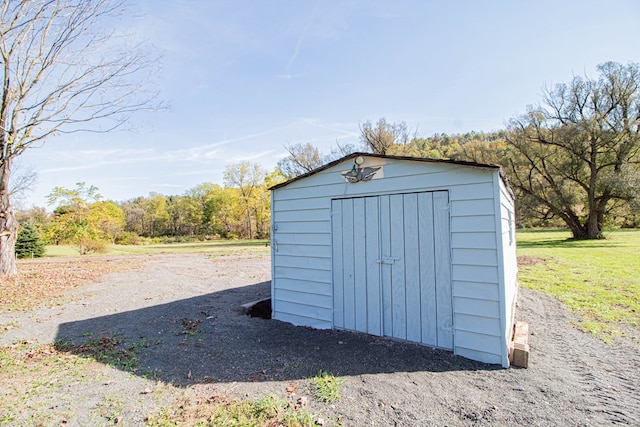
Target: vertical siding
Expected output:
[398,274]
[428,277]
[360,262]
[412,268]
[400,248]
[385,245]
[444,285]
[372,245]
[302,247]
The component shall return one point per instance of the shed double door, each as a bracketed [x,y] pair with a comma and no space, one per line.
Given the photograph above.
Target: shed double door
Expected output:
[391,266]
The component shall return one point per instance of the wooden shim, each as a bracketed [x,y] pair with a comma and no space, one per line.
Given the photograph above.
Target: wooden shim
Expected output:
[519,347]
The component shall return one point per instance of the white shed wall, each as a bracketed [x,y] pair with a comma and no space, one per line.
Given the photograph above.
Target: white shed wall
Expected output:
[301,246]
[510,261]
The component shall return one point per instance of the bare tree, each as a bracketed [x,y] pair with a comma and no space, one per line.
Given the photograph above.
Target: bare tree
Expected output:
[384,138]
[60,74]
[302,158]
[341,150]
[23,178]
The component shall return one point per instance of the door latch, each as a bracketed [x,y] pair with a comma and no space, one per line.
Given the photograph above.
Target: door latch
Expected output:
[388,260]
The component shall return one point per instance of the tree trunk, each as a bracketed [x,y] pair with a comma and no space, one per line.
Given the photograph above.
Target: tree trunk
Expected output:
[572,220]
[8,224]
[579,232]
[249,224]
[594,226]
[592,230]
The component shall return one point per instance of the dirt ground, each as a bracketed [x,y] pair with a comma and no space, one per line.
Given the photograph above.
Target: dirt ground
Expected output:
[185,309]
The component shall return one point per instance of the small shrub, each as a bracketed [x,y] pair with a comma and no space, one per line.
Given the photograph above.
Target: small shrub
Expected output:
[128,238]
[172,239]
[29,243]
[87,245]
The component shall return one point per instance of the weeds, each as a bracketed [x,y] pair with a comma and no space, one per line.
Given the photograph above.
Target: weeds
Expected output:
[36,378]
[110,410]
[326,387]
[24,356]
[32,377]
[110,350]
[4,327]
[190,327]
[221,410]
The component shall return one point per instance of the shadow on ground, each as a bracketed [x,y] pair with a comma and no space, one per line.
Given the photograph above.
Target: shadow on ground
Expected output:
[209,339]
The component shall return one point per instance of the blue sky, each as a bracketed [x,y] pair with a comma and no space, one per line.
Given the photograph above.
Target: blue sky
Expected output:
[244,78]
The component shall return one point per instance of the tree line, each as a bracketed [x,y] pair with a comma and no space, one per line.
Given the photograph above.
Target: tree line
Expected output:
[573,160]
[240,208]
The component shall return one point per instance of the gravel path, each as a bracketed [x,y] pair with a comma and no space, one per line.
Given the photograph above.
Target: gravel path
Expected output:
[186,309]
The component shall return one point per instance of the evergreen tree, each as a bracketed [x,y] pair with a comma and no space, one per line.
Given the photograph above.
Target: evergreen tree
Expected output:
[29,244]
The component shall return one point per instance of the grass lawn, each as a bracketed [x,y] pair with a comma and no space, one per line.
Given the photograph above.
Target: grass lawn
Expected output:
[214,247]
[598,279]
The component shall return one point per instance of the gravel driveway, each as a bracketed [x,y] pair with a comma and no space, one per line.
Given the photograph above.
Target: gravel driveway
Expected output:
[186,310]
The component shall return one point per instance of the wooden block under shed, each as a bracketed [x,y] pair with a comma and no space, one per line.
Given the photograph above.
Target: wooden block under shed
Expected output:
[521,332]
[519,355]
[519,348]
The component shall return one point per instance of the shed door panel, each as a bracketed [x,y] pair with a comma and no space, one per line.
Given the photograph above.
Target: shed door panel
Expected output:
[373,278]
[391,261]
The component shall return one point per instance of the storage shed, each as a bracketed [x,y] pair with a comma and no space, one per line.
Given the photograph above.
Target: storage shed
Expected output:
[416,249]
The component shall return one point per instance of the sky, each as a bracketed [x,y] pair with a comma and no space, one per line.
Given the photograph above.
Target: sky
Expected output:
[245,78]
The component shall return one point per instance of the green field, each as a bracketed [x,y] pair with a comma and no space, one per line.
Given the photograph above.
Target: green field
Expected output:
[598,279]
